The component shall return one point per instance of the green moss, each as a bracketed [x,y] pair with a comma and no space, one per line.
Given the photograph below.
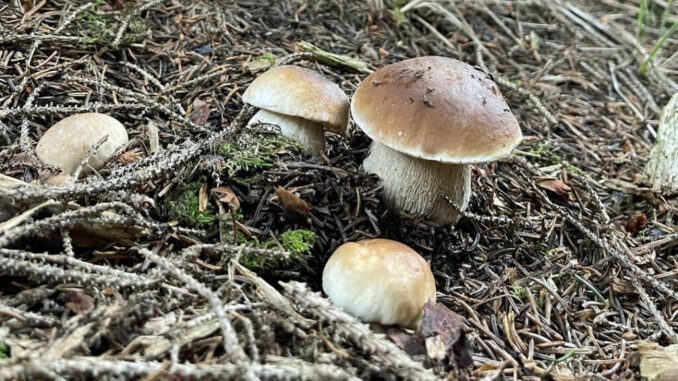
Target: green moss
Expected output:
[100,29]
[398,14]
[518,291]
[185,209]
[268,58]
[4,351]
[245,158]
[297,242]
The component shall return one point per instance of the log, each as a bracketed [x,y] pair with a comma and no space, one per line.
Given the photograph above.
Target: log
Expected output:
[658,363]
[661,171]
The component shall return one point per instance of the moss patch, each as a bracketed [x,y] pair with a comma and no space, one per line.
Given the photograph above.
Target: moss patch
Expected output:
[185,209]
[254,153]
[100,29]
[267,58]
[297,242]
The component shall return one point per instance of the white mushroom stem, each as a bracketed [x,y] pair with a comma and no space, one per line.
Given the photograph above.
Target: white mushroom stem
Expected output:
[309,134]
[419,186]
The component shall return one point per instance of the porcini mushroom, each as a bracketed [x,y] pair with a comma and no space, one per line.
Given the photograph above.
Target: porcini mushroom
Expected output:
[300,101]
[429,118]
[66,143]
[380,281]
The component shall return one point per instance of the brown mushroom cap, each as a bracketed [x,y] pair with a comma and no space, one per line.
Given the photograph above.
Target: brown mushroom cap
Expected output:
[379,280]
[436,108]
[301,92]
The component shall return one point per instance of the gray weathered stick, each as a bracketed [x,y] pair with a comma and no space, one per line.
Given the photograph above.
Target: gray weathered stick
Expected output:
[661,171]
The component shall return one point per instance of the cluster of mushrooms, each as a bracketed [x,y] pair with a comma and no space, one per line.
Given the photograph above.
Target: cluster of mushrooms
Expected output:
[428,117]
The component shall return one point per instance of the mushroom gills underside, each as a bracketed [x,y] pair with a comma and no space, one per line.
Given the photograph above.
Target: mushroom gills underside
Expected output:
[419,186]
[310,134]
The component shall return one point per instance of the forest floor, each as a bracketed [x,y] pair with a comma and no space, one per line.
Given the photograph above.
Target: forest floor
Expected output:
[177,261]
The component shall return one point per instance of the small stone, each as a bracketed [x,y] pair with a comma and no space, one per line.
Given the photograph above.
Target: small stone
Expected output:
[66,143]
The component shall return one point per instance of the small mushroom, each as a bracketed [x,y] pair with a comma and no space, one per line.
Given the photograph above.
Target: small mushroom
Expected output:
[380,281]
[429,118]
[66,143]
[300,101]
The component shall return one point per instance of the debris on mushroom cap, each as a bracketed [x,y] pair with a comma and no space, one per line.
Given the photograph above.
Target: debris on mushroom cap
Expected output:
[66,143]
[436,108]
[301,92]
[380,281]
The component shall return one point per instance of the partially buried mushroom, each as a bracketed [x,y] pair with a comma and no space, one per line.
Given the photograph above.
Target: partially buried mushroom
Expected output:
[429,118]
[380,281]
[66,143]
[300,101]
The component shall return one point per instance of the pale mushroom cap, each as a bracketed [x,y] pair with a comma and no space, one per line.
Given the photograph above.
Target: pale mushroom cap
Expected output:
[301,92]
[66,143]
[381,281]
[436,108]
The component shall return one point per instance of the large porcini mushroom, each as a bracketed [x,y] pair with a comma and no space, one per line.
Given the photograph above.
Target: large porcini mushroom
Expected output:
[66,143]
[380,281]
[300,101]
[429,118]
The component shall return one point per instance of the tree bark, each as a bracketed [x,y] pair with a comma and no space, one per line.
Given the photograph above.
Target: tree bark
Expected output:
[661,171]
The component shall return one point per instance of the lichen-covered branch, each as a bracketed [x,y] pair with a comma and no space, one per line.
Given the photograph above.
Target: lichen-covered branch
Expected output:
[387,354]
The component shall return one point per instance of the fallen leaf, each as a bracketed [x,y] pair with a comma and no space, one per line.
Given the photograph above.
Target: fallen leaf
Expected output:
[128,157]
[636,223]
[226,195]
[293,206]
[28,5]
[622,286]
[442,328]
[412,344]
[202,198]
[201,112]
[24,158]
[79,302]
[441,337]
[57,180]
[556,186]
[383,53]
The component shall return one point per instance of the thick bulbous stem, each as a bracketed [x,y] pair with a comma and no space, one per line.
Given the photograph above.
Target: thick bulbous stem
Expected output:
[419,186]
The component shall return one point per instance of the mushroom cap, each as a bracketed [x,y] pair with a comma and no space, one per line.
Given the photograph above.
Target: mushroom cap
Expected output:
[301,92]
[381,281]
[66,143]
[436,108]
